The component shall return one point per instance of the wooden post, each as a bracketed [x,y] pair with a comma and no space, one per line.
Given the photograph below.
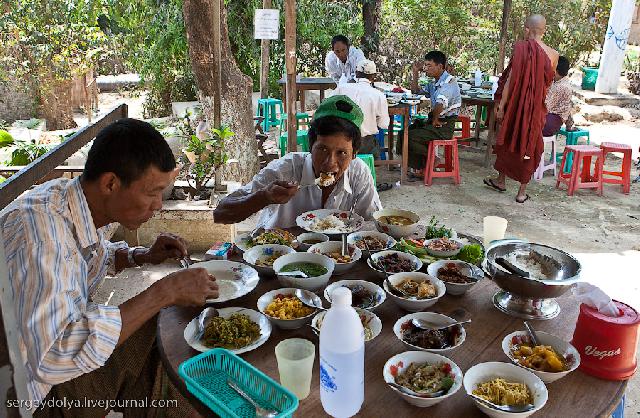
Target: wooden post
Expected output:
[217,62]
[615,44]
[506,13]
[264,72]
[290,60]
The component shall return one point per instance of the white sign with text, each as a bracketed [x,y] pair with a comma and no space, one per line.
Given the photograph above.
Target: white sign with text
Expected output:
[266,23]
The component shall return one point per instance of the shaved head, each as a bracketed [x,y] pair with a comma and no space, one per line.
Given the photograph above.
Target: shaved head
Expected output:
[535,25]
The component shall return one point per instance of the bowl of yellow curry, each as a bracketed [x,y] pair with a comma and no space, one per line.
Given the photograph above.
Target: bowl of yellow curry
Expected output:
[396,222]
[284,309]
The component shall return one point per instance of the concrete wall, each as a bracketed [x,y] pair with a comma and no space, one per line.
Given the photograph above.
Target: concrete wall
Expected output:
[16,101]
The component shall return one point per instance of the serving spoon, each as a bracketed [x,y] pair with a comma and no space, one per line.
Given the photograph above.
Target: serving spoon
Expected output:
[422,324]
[203,319]
[506,408]
[312,301]
[419,395]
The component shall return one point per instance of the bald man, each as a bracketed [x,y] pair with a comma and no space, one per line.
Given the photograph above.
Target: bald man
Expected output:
[521,110]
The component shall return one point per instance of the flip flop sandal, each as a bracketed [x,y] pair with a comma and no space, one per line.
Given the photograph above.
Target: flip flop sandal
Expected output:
[383,187]
[526,197]
[494,186]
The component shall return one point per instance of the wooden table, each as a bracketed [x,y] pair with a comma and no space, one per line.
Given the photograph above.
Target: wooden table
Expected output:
[576,395]
[489,103]
[308,83]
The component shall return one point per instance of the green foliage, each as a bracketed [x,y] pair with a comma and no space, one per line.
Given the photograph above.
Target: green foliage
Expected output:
[26,152]
[5,139]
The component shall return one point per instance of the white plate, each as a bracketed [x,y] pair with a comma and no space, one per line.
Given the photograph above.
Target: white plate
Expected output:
[263,251]
[234,279]
[241,242]
[305,220]
[257,317]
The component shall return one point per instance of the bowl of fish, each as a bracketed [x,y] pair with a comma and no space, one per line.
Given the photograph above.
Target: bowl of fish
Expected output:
[396,222]
[505,384]
[370,322]
[333,249]
[550,360]
[308,271]
[371,242]
[443,247]
[458,276]
[390,262]
[307,239]
[421,378]
[262,257]
[414,291]
[433,334]
[284,309]
[364,294]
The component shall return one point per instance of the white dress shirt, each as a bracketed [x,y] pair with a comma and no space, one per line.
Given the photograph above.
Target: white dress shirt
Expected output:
[356,184]
[372,101]
[336,68]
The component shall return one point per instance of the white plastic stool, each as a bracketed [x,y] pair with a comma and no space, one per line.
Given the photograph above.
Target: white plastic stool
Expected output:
[544,165]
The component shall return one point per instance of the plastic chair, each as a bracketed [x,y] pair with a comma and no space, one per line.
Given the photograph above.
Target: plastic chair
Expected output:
[572,139]
[301,119]
[369,161]
[583,180]
[451,165]
[544,166]
[622,177]
[463,135]
[383,149]
[302,140]
[267,108]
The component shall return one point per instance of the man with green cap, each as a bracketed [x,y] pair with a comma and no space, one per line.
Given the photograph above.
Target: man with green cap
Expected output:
[328,177]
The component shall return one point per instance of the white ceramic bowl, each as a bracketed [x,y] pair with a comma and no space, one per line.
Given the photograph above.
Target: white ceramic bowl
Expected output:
[309,283]
[336,246]
[380,296]
[375,324]
[396,231]
[302,246]
[372,261]
[261,252]
[414,305]
[268,297]
[562,347]
[436,318]
[465,268]
[484,372]
[437,253]
[358,236]
[403,360]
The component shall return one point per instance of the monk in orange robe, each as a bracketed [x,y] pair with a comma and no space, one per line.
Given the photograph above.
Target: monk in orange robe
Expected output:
[521,111]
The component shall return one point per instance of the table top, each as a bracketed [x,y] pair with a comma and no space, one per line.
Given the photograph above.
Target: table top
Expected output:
[577,394]
[328,81]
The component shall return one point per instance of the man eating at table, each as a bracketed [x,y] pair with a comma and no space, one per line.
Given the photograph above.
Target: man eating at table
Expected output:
[341,61]
[57,256]
[329,177]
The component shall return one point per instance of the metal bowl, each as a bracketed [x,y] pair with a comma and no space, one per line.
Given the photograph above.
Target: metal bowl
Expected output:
[527,297]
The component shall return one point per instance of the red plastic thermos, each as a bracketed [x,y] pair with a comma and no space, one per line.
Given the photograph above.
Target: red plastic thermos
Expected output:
[607,345]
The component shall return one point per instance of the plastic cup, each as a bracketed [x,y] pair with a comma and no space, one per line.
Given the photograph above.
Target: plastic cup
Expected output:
[295,358]
[494,229]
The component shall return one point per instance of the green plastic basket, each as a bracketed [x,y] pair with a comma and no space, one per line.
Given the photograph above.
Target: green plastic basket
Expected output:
[206,377]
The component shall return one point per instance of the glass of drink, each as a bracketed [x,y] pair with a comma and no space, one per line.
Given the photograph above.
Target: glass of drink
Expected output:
[295,358]
[494,229]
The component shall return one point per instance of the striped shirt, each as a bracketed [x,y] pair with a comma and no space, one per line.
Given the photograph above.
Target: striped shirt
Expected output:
[446,92]
[56,260]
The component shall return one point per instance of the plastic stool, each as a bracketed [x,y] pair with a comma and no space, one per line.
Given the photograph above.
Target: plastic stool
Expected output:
[301,139]
[369,161]
[383,149]
[267,108]
[451,165]
[301,119]
[464,135]
[544,166]
[572,139]
[619,411]
[624,176]
[583,180]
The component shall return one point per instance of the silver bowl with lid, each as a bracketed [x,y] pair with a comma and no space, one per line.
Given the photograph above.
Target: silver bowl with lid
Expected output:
[552,273]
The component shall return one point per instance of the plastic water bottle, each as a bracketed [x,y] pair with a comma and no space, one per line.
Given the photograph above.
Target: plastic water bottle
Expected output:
[341,357]
[478,78]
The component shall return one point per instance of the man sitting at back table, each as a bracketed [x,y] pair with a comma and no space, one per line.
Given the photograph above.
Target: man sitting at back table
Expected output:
[445,106]
[286,187]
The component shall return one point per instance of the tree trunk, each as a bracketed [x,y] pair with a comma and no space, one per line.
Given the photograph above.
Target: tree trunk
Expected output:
[371,19]
[236,87]
[55,104]
[506,12]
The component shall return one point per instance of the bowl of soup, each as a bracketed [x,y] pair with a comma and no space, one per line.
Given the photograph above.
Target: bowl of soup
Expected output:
[317,267]
[396,222]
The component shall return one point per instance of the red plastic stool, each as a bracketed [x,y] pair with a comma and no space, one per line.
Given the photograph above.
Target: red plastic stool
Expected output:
[464,135]
[451,164]
[584,180]
[624,176]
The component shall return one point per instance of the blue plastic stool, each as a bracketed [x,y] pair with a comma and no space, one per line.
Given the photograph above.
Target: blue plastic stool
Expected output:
[383,149]
[267,108]
[572,139]
[369,161]
[619,411]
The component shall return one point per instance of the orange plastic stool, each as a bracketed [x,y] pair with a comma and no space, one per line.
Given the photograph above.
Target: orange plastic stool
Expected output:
[624,176]
[451,164]
[583,180]
[463,136]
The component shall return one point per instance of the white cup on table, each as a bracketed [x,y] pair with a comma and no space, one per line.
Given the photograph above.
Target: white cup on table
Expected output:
[494,229]
[295,358]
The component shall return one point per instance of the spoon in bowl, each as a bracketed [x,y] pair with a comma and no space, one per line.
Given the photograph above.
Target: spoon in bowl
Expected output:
[532,333]
[422,324]
[309,300]
[506,408]
[417,394]
[203,320]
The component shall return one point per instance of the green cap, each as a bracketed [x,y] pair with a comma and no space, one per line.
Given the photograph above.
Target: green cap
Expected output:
[342,107]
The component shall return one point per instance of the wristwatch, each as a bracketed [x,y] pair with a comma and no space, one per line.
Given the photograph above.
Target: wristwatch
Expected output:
[130,254]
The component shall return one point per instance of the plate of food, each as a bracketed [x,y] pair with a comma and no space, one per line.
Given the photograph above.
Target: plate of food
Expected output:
[307,239]
[234,279]
[329,221]
[284,309]
[436,341]
[371,241]
[270,236]
[395,222]
[364,294]
[333,249]
[237,329]
[423,373]
[443,247]
[550,361]
[458,276]
[505,384]
[393,262]
[414,291]
[262,257]
[317,268]
[370,322]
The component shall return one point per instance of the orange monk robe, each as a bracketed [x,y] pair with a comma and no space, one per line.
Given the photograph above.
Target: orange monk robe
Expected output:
[519,145]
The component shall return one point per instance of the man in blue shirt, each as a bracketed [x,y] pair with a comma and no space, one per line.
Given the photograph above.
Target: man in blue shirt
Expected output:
[445,106]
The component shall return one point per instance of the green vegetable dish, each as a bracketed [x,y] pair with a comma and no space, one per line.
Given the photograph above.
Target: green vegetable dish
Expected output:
[435,231]
[471,253]
[234,332]
[310,269]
